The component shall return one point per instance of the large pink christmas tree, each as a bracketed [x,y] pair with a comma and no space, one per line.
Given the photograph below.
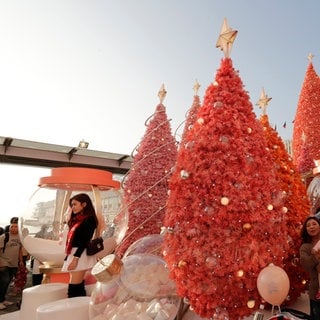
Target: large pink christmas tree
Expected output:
[146,184]
[224,219]
[306,137]
[295,201]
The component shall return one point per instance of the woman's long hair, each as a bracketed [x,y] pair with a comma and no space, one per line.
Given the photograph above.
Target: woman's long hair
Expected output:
[306,238]
[88,210]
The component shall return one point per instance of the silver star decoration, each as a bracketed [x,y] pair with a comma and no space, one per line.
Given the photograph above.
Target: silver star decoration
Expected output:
[196,87]
[263,101]
[162,93]
[310,57]
[226,38]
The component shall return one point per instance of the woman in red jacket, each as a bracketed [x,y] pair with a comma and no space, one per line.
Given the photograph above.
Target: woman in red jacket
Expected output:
[82,224]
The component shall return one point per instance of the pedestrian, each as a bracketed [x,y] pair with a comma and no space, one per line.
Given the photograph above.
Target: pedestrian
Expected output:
[20,278]
[10,259]
[82,224]
[309,260]
[55,233]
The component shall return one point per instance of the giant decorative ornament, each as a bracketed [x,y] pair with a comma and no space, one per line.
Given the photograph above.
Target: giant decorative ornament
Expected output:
[151,244]
[137,288]
[49,206]
[273,284]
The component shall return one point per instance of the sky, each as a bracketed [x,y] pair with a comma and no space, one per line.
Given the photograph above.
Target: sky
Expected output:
[80,69]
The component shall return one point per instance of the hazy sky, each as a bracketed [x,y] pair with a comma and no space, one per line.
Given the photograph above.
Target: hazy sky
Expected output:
[90,69]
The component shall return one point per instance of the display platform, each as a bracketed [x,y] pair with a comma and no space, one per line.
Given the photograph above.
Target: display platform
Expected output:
[302,304]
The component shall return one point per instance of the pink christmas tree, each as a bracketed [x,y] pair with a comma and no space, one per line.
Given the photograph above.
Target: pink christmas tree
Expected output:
[192,114]
[295,200]
[224,221]
[306,138]
[146,185]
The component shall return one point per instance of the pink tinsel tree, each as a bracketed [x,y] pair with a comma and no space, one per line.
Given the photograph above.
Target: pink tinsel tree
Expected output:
[306,137]
[297,204]
[224,221]
[146,185]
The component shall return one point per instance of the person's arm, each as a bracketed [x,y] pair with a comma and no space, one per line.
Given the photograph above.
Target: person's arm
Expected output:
[20,261]
[307,260]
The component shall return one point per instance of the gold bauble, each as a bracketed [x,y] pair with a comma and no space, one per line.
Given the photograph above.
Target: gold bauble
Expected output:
[200,121]
[224,201]
[240,273]
[251,304]
[182,264]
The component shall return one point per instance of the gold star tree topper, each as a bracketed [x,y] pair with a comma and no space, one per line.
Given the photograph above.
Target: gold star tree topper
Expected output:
[226,38]
[162,93]
[310,57]
[196,87]
[263,101]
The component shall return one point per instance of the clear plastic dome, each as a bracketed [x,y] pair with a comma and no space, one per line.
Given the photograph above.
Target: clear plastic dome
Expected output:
[142,290]
[43,225]
[149,244]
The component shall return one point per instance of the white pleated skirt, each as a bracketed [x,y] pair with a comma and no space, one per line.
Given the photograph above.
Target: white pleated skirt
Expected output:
[85,262]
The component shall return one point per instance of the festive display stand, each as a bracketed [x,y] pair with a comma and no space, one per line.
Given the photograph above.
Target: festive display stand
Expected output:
[302,304]
[65,309]
[35,296]
[49,206]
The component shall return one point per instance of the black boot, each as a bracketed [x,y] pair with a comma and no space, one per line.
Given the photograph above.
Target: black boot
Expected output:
[72,290]
[81,289]
[76,290]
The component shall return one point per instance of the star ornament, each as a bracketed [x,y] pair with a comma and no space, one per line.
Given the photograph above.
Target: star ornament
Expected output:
[226,38]
[196,87]
[263,101]
[162,93]
[310,57]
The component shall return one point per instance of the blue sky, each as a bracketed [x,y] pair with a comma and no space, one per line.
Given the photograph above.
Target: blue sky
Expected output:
[75,69]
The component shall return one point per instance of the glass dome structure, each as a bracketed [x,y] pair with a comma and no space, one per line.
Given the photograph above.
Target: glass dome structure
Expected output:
[136,287]
[43,226]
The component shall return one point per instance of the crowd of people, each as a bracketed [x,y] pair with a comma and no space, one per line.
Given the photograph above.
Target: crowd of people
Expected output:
[14,259]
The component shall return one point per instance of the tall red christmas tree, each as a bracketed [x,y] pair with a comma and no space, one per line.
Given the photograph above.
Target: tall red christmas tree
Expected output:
[306,137]
[295,200]
[224,221]
[146,184]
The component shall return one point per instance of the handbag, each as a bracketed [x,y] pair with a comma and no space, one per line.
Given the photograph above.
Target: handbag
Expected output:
[94,246]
